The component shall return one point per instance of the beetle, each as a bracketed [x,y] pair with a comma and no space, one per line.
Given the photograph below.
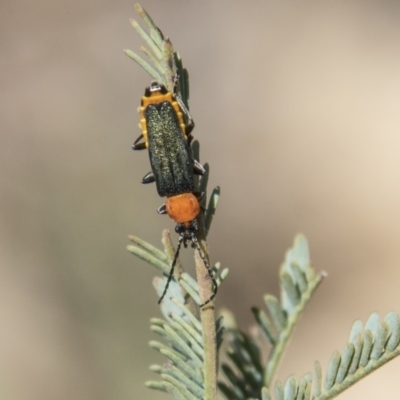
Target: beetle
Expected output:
[166,134]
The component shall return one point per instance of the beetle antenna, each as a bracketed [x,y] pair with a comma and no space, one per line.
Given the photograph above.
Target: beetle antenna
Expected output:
[207,265]
[171,271]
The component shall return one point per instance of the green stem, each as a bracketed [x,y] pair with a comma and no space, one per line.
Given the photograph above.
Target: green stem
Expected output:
[207,315]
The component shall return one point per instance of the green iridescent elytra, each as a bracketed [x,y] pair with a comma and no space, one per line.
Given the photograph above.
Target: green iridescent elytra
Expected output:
[167,138]
[170,157]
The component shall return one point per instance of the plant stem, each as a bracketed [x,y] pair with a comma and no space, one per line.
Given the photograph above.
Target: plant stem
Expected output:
[207,315]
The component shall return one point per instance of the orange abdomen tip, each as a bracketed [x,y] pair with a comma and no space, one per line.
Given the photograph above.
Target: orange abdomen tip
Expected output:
[182,208]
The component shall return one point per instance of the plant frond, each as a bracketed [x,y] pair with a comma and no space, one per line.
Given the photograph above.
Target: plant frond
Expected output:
[298,281]
[143,251]
[183,374]
[245,376]
[369,347]
[164,64]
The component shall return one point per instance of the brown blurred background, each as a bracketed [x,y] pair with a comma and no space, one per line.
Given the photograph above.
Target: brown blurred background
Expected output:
[297,110]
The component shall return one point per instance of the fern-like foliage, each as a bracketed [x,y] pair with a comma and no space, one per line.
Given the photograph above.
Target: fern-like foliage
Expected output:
[183,375]
[164,64]
[247,374]
[248,377]
[369,347]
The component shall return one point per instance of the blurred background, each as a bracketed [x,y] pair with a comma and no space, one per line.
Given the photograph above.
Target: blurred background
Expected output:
[297,110]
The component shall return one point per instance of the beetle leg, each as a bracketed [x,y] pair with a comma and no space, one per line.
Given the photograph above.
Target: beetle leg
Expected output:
[139,146]
[162,209]
[199,195]
[148,178]
[198,169]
